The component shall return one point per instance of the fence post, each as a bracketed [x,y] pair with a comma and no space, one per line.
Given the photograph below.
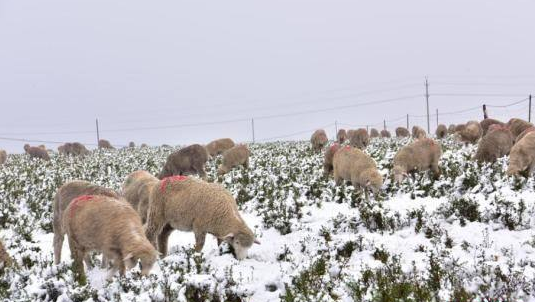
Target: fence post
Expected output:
[529,115]
[427,102]
[98,134]
[252,127]
[335,128]
[384,124]
[437,118]
[485,115]
[407,122]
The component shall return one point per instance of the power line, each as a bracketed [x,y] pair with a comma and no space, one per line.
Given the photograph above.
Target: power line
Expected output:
[509,105]
[37,141]
[294,134]
[477,94]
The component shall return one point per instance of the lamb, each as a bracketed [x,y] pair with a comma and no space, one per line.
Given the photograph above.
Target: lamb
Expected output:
[3,157]
[418,132]
[359,138]
[471,132]
[341,136]
[402,132]
[319,140]
[218,146]
[421,155]
[136,190]
[517,126]
[188,160]
[526,131]
[522,156]
[496,143]
[351,164]
[328,159]
[233,157]
[36,152]
[374,133]
[486,123]
[111,226]
[385,133]
[104,144]
[451,129]
[189,204]
[441,131]
[64,196]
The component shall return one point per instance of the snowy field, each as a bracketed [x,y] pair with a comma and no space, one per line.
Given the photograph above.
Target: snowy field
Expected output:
[468,236]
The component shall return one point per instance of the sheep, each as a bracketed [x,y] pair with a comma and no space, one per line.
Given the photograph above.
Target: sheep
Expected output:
[521,135]
[131,145]
[3,157]
[111,226]
[218,146]
[73,149]
[517,126]
[188,160]
[374,133]
[351,164]
[328,159]
[459,128]
[136,190]
[441,131]
[341,136]
[471,132]
[233,157]
[385,133]
[5,259]
[402,132]
[318,140]
[193,205]
[420,155]
[495,144]
[104,144]
[486,123]
[36,152]
[522,156]
[359,138]
[64,196]
[451,129]
[144,145]
[418,132]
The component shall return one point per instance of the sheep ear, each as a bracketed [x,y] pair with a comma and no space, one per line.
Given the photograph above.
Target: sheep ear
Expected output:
[256,241]
[368,183]
[128,257]
[228,237]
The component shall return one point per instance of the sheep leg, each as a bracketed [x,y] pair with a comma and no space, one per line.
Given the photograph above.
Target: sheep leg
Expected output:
[246,164]
[219,241]
[199,240]
[116,258]
[58,243]
[163,239]
[337,179]
[88,262]
[77,254]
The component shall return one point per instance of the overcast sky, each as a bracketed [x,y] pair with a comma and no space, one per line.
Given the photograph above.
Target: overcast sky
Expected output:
[157,64]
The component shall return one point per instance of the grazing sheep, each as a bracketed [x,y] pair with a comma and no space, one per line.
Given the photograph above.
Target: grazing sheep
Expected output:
[385,133]
[374,133]
[104,144]
[3,157]
[441,131]
[459,128]
[486,123]
[351,164]
[73,149]
[526,131]
[341,136]
[471,132]
[36,152]
[495,144]
[319,140]
[233,157]
[111,226]
[522,156]
[64,196]
[328,159]
[518,126]
[219,146]
[144,145]
[359,138]
[420,155]
[418,132]
[451,129]
[188,160]
[402,132]
[131,145]
[188,204]
[5,259]
[136,190]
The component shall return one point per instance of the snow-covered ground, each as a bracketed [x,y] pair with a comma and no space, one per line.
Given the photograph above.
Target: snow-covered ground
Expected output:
[468,236]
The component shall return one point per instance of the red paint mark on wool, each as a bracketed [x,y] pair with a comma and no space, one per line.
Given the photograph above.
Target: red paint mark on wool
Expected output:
[77,202]
[169,179]
[334,147]
[347,148]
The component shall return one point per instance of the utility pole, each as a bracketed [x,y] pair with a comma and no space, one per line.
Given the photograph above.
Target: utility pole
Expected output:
[98,134]
[407,122]
[384,124]
[427,102]
[529,114]
[485,115]
[367,128]
[437,118]
[335,128]
[252,127]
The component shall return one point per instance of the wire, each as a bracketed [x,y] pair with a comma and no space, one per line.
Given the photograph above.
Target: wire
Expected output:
[477,94]
[509,105]
[37,141]
[294,134]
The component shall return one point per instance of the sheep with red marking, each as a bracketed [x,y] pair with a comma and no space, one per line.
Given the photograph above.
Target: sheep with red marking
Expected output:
[192,205]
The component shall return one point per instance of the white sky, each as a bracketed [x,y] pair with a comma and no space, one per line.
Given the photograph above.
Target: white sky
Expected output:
[137,64]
